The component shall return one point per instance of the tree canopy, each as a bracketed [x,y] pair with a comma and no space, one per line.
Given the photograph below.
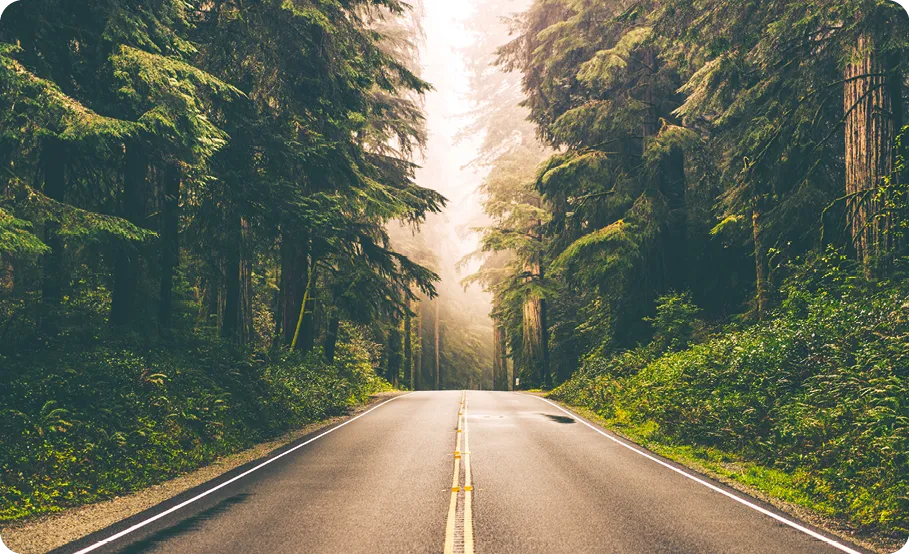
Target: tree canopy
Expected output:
[701,146]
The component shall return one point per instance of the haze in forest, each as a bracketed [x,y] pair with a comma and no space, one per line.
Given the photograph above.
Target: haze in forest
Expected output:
[454,39]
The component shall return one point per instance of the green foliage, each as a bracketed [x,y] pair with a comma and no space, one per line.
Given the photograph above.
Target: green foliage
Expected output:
[78,223]
[674,323]
[699,146]
[172,171]
[81,425]
[819,391]
[16,236]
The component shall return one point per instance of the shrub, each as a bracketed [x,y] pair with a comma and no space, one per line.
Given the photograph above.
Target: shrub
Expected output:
[820,390]
[674,322]
[78,426]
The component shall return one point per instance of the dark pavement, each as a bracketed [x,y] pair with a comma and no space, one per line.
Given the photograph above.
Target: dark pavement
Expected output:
[543,482]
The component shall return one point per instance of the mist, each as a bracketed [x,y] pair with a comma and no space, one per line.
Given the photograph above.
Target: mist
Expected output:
[450,166]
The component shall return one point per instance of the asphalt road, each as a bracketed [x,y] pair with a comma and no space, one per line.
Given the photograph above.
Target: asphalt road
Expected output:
[484,472]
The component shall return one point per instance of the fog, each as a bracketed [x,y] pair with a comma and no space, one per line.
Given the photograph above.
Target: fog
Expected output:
[448,237]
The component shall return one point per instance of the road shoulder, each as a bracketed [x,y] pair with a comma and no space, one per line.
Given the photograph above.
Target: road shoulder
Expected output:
[829,525]
[45,533]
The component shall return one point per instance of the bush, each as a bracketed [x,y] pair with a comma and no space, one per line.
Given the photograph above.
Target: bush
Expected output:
[674,323]
[821,390]
[81,426]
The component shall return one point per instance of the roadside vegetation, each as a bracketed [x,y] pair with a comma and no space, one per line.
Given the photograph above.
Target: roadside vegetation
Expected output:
[195,200]
[808,406]
[82,424]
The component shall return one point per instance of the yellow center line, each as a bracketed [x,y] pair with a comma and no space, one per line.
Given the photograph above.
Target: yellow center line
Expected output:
[455,486]
[468,490]
[461,453]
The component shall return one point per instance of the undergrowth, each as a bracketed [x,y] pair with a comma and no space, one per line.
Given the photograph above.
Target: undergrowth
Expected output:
[81,424]
[814,400]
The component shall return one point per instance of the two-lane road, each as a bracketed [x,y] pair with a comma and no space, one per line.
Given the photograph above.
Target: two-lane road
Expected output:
[531,478]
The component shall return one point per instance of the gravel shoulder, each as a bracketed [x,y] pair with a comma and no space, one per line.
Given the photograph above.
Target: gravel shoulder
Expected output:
[45,533]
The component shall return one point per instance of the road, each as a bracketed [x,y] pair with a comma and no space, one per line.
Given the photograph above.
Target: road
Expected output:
[484,472]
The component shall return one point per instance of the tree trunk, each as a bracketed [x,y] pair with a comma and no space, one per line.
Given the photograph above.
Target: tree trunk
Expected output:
[232,321]
[246,327]
[54,162]
[499,360]
[418,350]
[295,277]
[331,336]
[544,340]
[230,324]
[675,230]
[870,136]
[509,370]
[126,255]
[308,328]
[535,339]
[394,358]
[305,311]
[760,257]
[170,244]
[895,82]
[408,349]
[437,338]
[277,302]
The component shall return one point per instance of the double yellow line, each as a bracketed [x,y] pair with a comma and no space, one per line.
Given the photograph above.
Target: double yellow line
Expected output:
[454,532]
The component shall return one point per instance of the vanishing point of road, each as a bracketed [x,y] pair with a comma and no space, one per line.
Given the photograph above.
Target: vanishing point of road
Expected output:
[462,472]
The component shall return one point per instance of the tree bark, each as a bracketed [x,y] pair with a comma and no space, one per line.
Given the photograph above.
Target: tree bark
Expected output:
[408,349]
[232,324]
[395,354]
[675,230]
[438,341]
[760,257]
[231,319]
[305,310]
[509,370]
[54,274]
[247,316]
[308,327]
[418,350]
[277,303]
[533,339]
[170,244]
[331,336]
[500,359]
[126,256]
[295,270]
[870,135]
[895,82]
[535,335]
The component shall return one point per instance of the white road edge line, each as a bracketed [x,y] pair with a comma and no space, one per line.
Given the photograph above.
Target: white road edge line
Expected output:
[165,513]
[711,486]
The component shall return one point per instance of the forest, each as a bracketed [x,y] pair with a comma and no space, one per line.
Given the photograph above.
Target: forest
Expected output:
[214,227]
[698,232]
[193,230]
